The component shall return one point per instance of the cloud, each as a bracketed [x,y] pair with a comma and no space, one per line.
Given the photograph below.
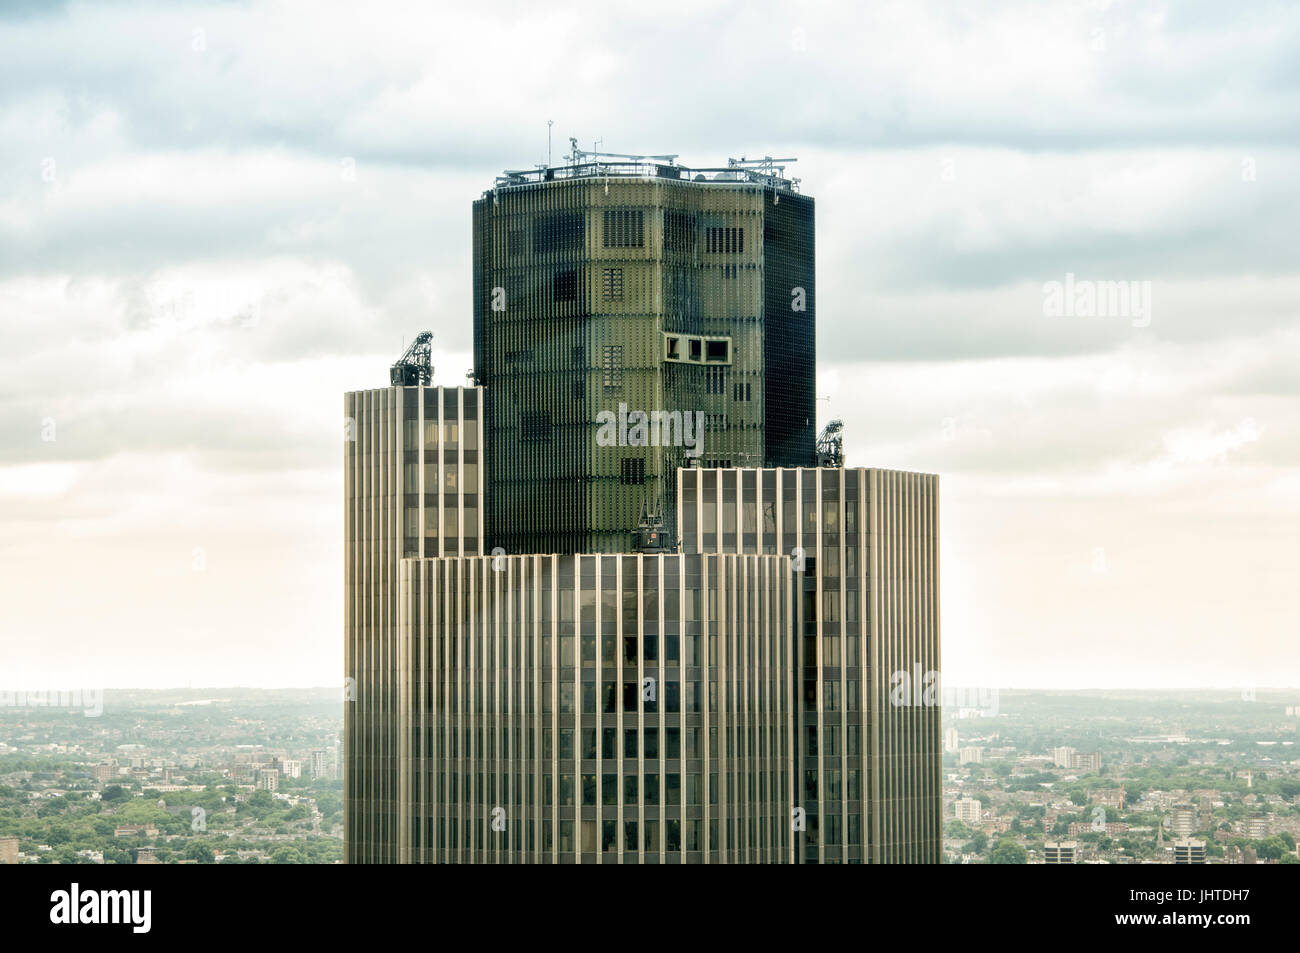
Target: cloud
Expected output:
[216,218]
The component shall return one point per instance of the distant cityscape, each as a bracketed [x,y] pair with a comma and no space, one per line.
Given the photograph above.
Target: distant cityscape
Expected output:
[251,776]
[212,776]
[1123,778]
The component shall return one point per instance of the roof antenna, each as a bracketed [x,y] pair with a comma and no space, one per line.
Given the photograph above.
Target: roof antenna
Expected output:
[549,124]
[415,367]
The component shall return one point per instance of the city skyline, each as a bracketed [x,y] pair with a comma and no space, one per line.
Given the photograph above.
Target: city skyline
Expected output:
[1119,490]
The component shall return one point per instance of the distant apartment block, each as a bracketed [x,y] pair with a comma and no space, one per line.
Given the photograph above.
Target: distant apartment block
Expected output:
[1182,820]
[8,850]
[950,743]
[268,779]
[968,810]
[1059,852]
[1073,760]
[971,755]
[321,763]
[1085,762]
[1189,852]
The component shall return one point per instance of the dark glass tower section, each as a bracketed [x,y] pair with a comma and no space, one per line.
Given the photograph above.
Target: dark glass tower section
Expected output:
[789,330]
[606,289]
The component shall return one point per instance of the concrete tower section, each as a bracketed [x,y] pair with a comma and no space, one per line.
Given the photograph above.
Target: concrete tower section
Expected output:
[412,488]
[596,709]
[604,291]
[864,546]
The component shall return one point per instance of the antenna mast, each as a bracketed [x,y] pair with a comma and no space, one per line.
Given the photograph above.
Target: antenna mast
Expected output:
[415,367]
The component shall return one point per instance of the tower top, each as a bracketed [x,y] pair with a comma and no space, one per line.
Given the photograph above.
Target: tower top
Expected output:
[591,164]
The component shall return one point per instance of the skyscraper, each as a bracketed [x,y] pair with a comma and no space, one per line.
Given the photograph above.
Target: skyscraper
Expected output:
[604,606]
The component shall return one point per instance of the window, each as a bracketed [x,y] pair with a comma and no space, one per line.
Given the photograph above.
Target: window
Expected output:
[679,231]
[612,365]
[562,231]
[725,241]
[566,285]
[611,284]
[740,392]
[623,228]
[535,427]
[715,381]
[697,350]
[673,743]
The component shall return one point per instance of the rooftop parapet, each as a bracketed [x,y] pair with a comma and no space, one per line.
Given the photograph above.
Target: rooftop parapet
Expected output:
[767,171]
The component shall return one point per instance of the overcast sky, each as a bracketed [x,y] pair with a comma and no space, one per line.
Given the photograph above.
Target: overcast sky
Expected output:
[216,218]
